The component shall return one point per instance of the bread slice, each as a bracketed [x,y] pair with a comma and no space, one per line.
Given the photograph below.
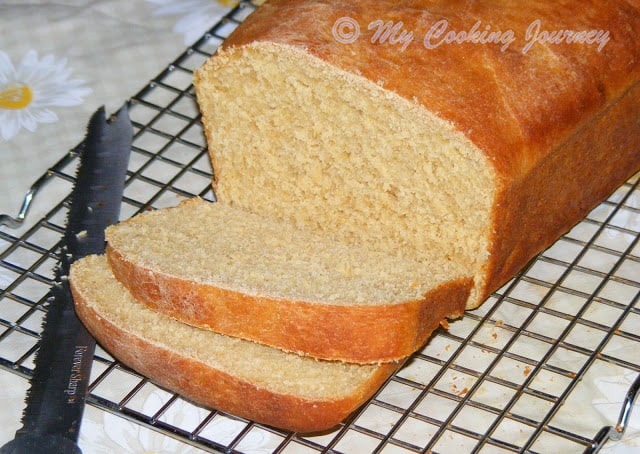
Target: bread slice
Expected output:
[235,273]
[243,378]
[477,151]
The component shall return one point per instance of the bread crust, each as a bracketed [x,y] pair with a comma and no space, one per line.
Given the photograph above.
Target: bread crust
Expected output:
[214,388]
[587,168]
[334,332]
[558,123]
[516,107]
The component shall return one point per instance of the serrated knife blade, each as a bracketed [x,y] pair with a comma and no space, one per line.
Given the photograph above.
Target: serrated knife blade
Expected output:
[56,398]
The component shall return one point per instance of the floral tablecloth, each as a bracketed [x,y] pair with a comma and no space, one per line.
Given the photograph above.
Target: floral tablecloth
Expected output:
[59,62]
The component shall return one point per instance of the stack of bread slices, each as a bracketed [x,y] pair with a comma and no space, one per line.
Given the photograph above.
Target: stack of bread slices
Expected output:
[255,317]
[367,192]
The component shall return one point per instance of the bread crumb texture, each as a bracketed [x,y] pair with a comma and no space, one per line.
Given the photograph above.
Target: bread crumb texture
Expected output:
[209,243]
[329,151]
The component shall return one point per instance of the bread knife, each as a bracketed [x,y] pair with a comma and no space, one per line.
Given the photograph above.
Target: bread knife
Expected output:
[56,398]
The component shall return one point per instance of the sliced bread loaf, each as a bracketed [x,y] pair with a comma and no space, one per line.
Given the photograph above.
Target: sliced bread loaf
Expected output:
[240,377]
[452,145]
[235,273]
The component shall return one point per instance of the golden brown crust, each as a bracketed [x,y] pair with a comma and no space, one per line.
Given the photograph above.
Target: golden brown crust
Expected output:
[558,122]
[348,333]
[514,105]
[214,388]
[590,165]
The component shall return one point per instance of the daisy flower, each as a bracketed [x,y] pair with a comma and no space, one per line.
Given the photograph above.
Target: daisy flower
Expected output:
[29,91]
[198,16]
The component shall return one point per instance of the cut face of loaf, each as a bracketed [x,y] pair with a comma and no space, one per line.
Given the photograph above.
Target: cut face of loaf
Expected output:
[468,152]
[240,377]
[346,162]
[236,273]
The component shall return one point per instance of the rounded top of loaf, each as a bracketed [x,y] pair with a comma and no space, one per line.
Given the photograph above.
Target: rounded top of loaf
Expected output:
[482,86]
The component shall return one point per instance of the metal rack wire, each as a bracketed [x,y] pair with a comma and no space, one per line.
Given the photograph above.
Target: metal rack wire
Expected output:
[510,376]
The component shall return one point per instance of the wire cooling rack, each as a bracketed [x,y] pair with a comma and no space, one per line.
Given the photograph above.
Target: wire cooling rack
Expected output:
[543,366]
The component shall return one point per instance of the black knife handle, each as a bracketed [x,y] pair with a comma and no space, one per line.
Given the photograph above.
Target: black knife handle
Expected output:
[40,444]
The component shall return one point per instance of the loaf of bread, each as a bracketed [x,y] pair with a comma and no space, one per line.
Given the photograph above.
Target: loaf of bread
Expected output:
[481,139]
[233,375]
[235,273]
[379,167]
